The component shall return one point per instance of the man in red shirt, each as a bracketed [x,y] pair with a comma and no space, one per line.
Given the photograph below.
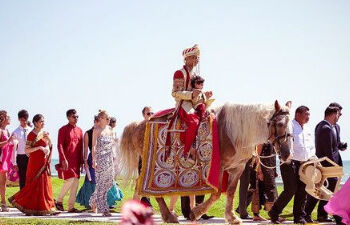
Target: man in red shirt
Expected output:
[70,150]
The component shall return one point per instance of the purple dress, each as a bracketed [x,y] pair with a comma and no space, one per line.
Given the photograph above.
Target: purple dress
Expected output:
[339,204]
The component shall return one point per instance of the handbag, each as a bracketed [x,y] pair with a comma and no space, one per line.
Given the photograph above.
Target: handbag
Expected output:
[59,169]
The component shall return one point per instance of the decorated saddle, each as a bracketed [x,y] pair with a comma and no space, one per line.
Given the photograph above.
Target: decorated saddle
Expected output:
[177,174]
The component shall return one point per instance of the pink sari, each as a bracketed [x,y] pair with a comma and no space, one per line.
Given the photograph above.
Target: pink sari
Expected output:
[5,160]
[339,204]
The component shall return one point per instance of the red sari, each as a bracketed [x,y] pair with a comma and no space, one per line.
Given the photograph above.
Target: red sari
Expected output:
[36,197]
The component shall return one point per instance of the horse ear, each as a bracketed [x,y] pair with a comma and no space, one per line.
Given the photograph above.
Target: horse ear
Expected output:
[289,104]
[277,106]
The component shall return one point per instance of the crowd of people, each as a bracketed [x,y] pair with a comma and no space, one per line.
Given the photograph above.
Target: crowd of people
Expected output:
[29,152]
[257,183]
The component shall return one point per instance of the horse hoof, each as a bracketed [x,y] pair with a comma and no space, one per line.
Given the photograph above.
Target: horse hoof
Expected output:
[232,218]
[192,216]
[235,221]
[172,218]
[195,214]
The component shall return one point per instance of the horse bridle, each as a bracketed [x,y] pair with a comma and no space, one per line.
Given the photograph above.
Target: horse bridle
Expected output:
[277,138]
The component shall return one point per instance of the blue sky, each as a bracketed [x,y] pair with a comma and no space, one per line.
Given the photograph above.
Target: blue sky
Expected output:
[120,56]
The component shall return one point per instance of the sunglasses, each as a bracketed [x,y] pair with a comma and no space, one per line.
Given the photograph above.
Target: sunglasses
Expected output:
[75,116]
[149,113]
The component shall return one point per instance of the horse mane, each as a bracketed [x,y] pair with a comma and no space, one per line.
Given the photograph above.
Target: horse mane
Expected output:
[245,124]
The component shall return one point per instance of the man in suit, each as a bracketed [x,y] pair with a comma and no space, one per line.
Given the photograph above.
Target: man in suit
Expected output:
[327,143]
[342,146]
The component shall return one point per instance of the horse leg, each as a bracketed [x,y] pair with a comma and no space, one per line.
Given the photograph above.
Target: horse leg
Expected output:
[167,216]
[234,175]
[201,209]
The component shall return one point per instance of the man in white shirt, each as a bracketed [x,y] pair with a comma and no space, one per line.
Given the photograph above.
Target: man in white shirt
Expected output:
[20,161]
[303,150]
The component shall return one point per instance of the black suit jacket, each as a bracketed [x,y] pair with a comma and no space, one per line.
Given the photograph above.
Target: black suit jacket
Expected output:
[337,127]
[326,143]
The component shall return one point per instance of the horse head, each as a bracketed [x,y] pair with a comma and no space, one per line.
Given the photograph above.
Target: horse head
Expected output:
[281,130]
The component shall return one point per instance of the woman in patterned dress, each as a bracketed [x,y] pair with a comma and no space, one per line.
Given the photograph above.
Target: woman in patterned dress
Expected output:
[103,142]
[88,188]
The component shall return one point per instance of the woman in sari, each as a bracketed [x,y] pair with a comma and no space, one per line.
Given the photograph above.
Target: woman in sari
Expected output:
[6,149]
[38,181]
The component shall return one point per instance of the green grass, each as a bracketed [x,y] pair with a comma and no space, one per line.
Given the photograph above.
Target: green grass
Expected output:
[29,221]
[217,209]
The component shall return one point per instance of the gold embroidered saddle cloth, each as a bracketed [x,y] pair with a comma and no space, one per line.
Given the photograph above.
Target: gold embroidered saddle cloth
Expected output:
[177,175]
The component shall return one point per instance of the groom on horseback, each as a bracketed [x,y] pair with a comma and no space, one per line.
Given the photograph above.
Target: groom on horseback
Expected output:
[184,94]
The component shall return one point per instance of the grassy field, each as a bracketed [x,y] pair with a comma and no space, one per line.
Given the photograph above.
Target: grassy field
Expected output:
[217,210]
[28,221]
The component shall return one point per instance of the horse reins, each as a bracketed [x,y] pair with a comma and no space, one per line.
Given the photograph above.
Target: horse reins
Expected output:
[277,139]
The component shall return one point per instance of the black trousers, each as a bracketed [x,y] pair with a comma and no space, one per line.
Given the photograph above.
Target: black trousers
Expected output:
[145,200]
[245,196]
[270,188]
[311,202]
[293,186]
[22,163]
[185,204]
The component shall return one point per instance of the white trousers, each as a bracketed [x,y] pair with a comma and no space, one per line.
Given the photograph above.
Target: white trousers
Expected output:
[70,185]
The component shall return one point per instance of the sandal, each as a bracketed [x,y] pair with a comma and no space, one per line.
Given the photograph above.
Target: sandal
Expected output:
[4,208]
[54,213]
[74,210]
[106,214]
[59,206]
[258,218]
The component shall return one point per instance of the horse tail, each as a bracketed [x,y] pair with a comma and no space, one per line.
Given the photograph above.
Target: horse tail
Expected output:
[129,154]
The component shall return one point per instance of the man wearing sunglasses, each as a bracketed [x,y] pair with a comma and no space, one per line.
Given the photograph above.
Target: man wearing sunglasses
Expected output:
[70,149]
[147,112]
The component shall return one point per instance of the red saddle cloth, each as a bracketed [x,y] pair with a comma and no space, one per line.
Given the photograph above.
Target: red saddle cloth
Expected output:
[163,113]
[161,176]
